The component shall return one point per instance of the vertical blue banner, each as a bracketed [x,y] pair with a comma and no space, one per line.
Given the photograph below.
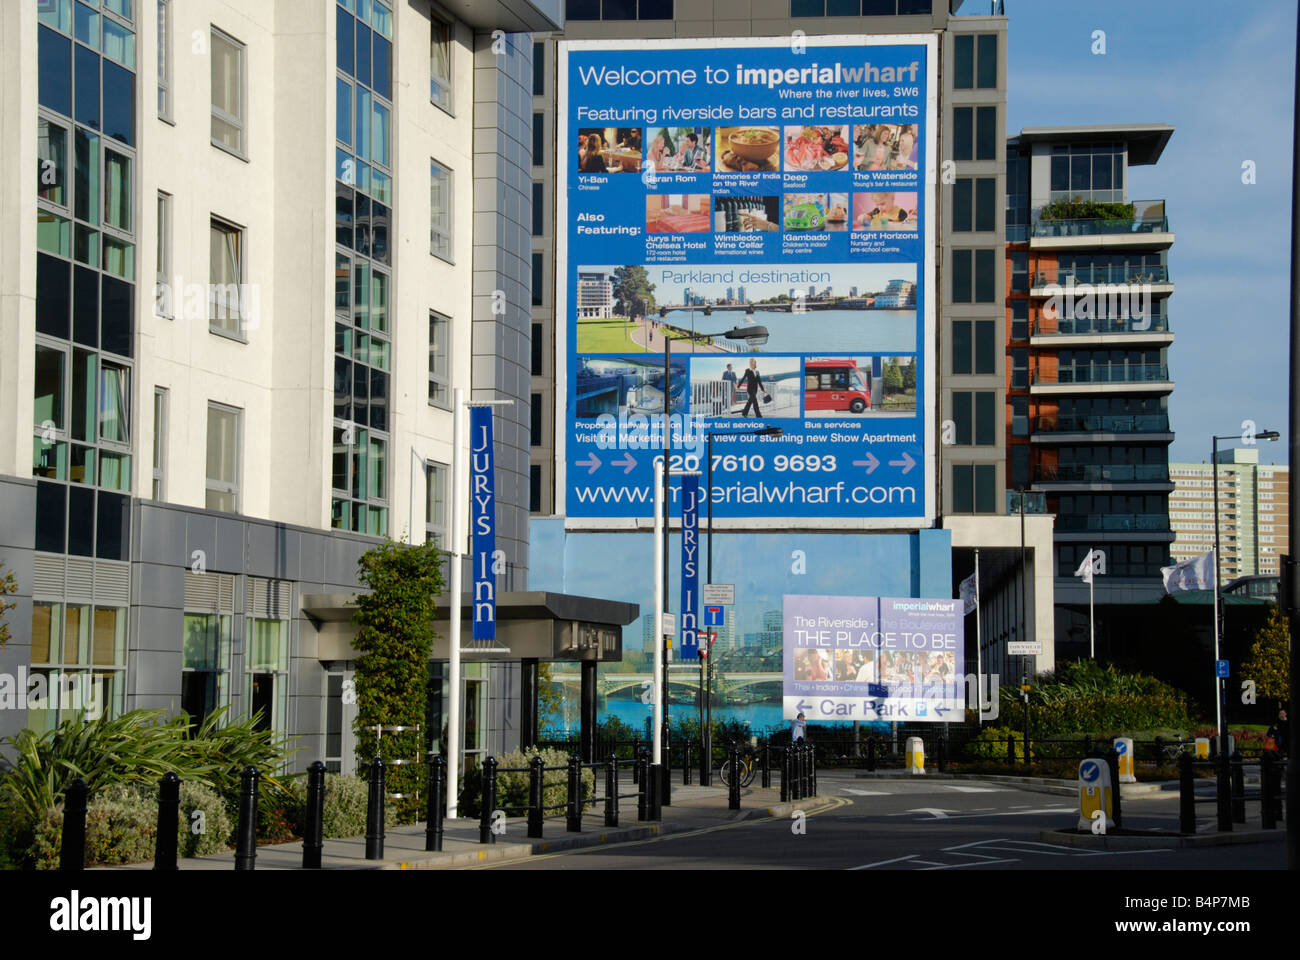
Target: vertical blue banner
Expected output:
[690,610]
[483,522]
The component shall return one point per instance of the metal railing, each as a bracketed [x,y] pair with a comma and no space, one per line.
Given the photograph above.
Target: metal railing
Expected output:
[1104,373]
[1103,423]
[1113,273]
[1113,521]
[1091,228]
[1104,473]
[1078,326]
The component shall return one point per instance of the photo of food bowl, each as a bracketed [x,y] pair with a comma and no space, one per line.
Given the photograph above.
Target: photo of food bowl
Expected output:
[748,150]
[817,149]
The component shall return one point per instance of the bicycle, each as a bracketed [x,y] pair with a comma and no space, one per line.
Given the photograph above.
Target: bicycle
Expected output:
[748,767]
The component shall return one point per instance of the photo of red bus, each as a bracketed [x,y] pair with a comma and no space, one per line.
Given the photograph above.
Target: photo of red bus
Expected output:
[836,384]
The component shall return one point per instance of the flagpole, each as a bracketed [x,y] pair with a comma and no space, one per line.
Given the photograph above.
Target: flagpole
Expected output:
[1218,682]
[1092,628]
[979,658]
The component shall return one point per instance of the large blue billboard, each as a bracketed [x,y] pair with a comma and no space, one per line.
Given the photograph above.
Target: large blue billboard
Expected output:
[763,209]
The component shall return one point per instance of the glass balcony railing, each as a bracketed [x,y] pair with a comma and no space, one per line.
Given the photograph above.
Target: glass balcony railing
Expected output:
[1066,326]
[1108,373]
[1104,423]
[1104,473]
[1114,273]
[1035,502]
[1147,216]
[1114,522]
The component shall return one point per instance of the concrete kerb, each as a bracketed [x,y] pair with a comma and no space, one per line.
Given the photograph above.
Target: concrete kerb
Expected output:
[1056,787]
[1066,838]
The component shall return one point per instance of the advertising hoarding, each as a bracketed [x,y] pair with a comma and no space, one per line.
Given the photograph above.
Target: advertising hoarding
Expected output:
[715,186]
[873,658]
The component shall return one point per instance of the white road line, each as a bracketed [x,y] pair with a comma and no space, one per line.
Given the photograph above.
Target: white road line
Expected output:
[982,856]
[867,793]
[881,863]
[954,866]
[1013,813]
[975,789]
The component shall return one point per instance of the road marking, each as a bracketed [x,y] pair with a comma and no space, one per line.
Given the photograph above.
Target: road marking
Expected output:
[881,863]
[1010,813]
[975,789]
[867,793]
[954,866]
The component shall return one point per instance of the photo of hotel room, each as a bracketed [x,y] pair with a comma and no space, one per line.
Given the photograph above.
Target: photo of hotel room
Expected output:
[677,213]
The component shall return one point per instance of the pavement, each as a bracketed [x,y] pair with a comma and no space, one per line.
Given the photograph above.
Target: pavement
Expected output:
[693,808]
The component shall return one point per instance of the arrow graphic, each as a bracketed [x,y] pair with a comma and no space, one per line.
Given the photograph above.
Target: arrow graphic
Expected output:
[870,463]
[940,709]
[628,463]
[592,461]
[803,707]
[907,463]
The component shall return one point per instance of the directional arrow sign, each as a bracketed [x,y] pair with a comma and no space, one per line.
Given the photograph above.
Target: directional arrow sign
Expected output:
[870,463]
[592,461]
[627,462]
[1089,772]
[804,707]
[907,463]
[940,709]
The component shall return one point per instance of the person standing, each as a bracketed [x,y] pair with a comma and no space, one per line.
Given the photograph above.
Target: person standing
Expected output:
[1275,737]
[753,382]
[798,729]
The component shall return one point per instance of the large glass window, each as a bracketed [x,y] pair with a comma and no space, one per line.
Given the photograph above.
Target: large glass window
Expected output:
[440,211]
[223,458]
[226,266]
[435,503]
[79,655]
[440,360]
[267,673]
[228,90]
[164,60]
[440,64]
[205,665]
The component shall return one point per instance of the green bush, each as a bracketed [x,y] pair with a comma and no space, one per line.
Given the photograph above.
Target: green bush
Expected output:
[217,825]
[1080,209]
[512,788]
[344,813]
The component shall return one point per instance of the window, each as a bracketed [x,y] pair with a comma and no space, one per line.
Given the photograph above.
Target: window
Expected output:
[159,442]
[963,61]
[985,423]
[226,275]
[223,458]
[537,280]
[79,651]
[440,64]
[986,76]
[967,74]
[1020,272]
[963,489]
[961,416]
[228,91]
[1020,368]
[536,345]
[985,356]
[539,213]
[534,488]
[974,133]
[164,60]
[435,502]
[440,360]
[539,138]
[961,346]
[1020,416]
[972,204]
[961,276]
[440,212]
[205,664]
[163,301]
[986,132]
[267,675]
[981,405]
[539,68]
[985,278]
[536,420]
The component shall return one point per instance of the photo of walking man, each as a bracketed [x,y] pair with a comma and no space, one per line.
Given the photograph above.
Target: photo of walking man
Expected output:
[753,382]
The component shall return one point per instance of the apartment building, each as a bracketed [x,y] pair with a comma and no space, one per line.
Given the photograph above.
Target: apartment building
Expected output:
[1088,337]
[1254,513]
[263,245]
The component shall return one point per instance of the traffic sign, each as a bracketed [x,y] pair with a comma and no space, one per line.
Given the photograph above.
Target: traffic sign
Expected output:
[1025,648]
[1221,669]
[718,593]
[715,615]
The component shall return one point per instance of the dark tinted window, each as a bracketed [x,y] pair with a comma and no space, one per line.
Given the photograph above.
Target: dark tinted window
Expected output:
[117,316]
[54,69]
[379,400]
[87,92]
[963,494]
[119,103]
[961,280]
[988,60]
[53,304]
[962,118]
[50,508]
[985,424]
[843,8]
[984,206]
[879,8]
[537,350]
[539,138]
[985,496]
[961,415]
[913,7]
[534,488]
[961,204]
[537,279]
[655,10]
[618,10]
[985,359]
[986,132]
[363,54]
[964,62]
[85,302]
[343,216]
[345,45]
[536,418]
[81,521]
[112,535]
[984,279]
[539,219]
[381,80]
[961,343]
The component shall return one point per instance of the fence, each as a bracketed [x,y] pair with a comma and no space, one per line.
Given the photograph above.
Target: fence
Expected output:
[1230,790]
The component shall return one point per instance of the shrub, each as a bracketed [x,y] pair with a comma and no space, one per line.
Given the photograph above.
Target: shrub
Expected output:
[216,822]
[512,788]
[344,812]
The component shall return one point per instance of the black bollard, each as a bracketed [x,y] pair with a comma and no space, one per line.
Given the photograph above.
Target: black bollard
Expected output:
[1267,791]
[72,853]
[169,812]
[1186,795]
[654,791]
[1238,788]
[666,789]
[1223,792]
[536,783]
[638,776]
[767,765]
[939,754]
[375,811]
[733,788]
[488,801]
[871,754]
[812,766]
[246,832]
[785,775]
[636,767]
[686,761]
[1117,812]
[611,791]
[1011,751]
[574,824]
[313,833]
[437,803]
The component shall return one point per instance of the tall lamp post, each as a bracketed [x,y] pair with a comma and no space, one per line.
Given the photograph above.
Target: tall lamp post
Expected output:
[1220,687]
[706,728]
[754,336]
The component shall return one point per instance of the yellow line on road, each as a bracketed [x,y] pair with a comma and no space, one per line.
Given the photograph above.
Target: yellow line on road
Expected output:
[833,804]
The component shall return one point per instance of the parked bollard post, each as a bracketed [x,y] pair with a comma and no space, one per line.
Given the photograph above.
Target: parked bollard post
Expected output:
[871,754]
[536,784]
[638,776]
[1223,792]
[785,775]
[636,767]
[375,811]
[812,766]
[939,754]
[169,809]
[1238,787]
[686,761]
[1267,791]
[1186,795]
[1112,761]
[72,851]
[246,832]
[313,834]
[1011,751]
[666,788]
[574,820]
[487,801]
[733,788]
[767,765]
[437,800]
[611,791]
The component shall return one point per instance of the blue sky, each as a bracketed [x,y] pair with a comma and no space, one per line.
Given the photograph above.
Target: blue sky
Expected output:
[1223,75]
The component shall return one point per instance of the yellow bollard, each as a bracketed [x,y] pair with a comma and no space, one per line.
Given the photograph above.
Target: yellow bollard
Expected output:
[1124,748]
[1202,748]
[1095,796]
[916,755]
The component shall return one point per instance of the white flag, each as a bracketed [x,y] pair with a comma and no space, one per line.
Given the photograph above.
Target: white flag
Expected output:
[1085,569]
[966,592]
[1194,574]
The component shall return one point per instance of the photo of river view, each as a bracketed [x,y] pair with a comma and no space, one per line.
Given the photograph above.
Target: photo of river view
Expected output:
[817,331]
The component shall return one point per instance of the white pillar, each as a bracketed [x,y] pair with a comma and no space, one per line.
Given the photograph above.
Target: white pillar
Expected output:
[659,609]
[453,592]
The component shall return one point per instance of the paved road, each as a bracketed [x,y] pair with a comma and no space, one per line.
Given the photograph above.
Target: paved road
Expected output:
[908,825]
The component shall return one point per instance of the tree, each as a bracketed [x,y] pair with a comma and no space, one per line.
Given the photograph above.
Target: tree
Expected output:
[550,699]
[394,639]
[633,291]
[7,586]
[893,377]
[909,376]
[1270,657]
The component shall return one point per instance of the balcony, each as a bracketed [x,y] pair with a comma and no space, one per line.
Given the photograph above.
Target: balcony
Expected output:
[1103,378]
[1157,276]
[1114,522]
[1104,473]
[1085,429]
[1073,225]
[1081,331]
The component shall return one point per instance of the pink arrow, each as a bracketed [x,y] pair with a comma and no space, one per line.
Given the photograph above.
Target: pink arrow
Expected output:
[628,463]
[870,463]
[907,463]
[592,461]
